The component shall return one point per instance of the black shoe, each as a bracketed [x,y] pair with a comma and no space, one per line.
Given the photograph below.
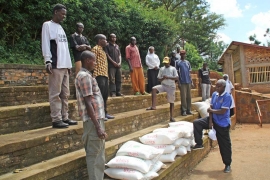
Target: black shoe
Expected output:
[197,147]
[113,95]
[227,169]
[189,113]
[184,114]
[109,116]
[70,122]
[172,120]
[119,94]
[59,124]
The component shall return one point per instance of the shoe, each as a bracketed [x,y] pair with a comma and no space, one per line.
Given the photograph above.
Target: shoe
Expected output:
[109,116]
[172,120]
[227,169]
[119,94]
[189,113]
[113,95]
[70,122]
[197,147]
[59,124]
[105,119]
[145,93]
[184,114]
[137,93]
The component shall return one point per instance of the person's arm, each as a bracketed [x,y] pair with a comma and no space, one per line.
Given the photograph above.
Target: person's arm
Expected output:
[160,76]
[128,59]
[87,44]
[157,63]
[200,76]
[109,57]
[227,101]
[46,47]
[148,63]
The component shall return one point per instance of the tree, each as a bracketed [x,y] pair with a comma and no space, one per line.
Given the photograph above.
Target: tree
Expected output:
[193,56]
[253,40]
[267,32]
[215,51]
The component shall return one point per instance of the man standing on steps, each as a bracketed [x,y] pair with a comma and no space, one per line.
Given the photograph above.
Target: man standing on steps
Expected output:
[114,66]
[183,68]
[91,111]
[219,118]
[135,66]
[204,81]
[79,43]
[167,75]
[101,71]
[58,64]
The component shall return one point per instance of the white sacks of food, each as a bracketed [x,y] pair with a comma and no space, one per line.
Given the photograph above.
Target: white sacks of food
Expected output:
[202,107]
[135,161]
[159,138]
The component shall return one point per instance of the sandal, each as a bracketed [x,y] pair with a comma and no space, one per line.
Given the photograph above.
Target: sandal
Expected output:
[150,108]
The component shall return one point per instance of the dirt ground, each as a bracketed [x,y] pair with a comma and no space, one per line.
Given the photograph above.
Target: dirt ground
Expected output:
[250,157]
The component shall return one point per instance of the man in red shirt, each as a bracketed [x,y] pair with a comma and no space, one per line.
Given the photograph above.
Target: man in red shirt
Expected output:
[135,66]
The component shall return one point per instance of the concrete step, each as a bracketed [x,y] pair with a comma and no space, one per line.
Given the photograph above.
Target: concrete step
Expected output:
[33,116]
[70,166]
[21,149]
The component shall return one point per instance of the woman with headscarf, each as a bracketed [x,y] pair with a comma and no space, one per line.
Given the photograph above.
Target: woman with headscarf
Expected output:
[229,87]
[153,62]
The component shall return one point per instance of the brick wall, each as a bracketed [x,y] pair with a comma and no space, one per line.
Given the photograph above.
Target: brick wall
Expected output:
[246,110]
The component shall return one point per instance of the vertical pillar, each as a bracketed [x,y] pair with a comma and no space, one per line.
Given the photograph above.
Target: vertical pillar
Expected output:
[243,71]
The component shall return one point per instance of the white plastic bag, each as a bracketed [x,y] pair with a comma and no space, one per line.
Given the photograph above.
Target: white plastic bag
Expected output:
[212,134]
[181,151]
[167,148]
[158,138]
[138,164]
[130,174]
[135,149]
[168,157]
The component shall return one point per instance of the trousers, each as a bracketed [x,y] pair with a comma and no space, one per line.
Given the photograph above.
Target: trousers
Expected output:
[104,89]
[58,94]
[223,138]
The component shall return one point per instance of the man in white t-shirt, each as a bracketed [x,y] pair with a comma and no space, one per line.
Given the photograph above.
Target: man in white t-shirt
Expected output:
[167,76]
[58,64]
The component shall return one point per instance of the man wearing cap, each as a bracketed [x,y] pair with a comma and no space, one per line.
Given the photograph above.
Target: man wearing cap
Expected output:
[183,68]
[167,76]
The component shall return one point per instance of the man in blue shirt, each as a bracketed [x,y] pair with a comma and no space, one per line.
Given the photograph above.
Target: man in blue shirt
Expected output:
[219,118]
[183,68]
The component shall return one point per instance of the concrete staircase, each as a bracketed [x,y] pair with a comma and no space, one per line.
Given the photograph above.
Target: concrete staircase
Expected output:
[31,149]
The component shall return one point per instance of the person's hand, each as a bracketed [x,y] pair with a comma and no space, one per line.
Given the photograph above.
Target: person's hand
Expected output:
[119,65]
[131,70]
[165,77]
[49,68]
[69,71]
[115,64]
[101,134]
[156,68]
[209,110]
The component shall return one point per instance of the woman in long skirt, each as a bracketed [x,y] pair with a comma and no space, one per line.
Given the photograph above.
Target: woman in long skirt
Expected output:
[153,62]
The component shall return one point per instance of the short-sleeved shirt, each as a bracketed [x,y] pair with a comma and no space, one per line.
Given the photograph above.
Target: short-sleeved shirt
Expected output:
[86,85]
[101,68]
[170,72]
[75,40]
[184,68]
[133,54]
[114,52]
[205,76]
[222,101]
[173,60]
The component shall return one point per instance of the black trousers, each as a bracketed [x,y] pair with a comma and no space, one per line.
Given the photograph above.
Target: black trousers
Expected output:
[115,80]
[104,89]
[152,79]
[223,138]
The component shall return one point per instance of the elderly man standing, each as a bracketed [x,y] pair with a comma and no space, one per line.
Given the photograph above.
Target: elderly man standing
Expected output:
[101,70]
[135,66]
[58,64]
[219,118]
[183,68]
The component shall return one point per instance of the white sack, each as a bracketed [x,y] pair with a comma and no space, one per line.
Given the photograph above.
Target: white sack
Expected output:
[181,151]
[129,174]
[135,149]
[202,107]
[138,164]
[181,142]
[158,138]
[167,148]
[168,157]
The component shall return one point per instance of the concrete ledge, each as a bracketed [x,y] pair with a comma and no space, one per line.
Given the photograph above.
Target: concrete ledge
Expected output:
[32,116]
[72,165]
[25,148]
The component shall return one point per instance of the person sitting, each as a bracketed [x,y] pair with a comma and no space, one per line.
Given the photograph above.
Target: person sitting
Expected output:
[167,76]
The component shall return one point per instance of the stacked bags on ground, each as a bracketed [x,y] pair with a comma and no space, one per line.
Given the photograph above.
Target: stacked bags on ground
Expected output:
[174,140]
[135,161]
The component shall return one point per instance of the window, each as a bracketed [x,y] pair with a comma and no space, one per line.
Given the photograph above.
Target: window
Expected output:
[259,74]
